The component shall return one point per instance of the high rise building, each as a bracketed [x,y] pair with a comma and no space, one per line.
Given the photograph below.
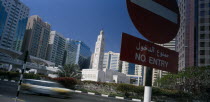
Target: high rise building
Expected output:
[99,52]
[111,61]
[13,20]
[83,55]
[185,37]
[37,36]
[202,29]
[193,40]
[77,52]
[56,48]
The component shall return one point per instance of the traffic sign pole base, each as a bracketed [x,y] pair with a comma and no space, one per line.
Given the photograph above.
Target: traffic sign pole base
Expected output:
[147,93]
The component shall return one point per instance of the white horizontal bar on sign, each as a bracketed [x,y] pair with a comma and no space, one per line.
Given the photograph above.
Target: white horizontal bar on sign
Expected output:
[157,9]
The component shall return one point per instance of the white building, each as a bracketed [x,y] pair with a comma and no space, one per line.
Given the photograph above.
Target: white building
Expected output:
[97,73]
[112,61]
[134,71]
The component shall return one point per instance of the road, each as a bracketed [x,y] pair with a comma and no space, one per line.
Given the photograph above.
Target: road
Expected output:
[8,89]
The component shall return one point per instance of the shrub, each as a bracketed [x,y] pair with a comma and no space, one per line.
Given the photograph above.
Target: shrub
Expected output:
[139,90]
[31,76]
[67,82]
[126,88]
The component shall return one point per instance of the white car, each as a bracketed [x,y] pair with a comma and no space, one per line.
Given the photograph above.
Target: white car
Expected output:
[45,87]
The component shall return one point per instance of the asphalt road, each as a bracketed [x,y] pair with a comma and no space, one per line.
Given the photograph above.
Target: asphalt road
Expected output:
[9,89]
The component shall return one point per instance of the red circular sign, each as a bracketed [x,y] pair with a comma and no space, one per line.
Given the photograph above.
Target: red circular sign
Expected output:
[156,20]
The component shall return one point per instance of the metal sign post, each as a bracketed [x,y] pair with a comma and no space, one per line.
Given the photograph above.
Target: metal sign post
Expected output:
[148,85]
[25,57]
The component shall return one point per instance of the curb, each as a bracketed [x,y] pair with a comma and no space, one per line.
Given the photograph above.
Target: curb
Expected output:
[5,79]
[8,80]
[104,95]
[117,97]
[77,91]
[90,93]
[137,100]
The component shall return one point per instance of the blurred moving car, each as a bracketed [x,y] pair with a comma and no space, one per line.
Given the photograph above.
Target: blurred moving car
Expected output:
[45,87]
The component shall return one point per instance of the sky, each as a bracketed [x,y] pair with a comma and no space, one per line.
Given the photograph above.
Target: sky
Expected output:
[83,19]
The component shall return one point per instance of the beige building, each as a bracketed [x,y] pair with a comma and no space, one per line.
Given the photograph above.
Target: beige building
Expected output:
[36,38]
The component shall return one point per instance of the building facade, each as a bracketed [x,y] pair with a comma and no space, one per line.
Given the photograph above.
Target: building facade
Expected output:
[37,36]
[56,48]
[13,20]
[202,30]
[185,37]
[77,52]
[112,61]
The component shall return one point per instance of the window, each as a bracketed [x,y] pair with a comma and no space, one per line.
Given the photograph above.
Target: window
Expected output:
[202,20]
[202,36]
[202,52]
[202,13]
[202,5]
[202,28]
[202,61]
[202,44]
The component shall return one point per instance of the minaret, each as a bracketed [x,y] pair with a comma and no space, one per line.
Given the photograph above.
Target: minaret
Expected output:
[99,52]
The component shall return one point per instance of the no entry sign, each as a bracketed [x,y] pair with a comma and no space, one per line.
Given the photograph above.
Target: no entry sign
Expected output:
[142,52]
[156,20]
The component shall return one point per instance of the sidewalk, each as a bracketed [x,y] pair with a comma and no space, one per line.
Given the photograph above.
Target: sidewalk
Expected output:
[8,99]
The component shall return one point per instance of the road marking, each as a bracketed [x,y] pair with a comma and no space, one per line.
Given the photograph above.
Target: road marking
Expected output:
[157,9]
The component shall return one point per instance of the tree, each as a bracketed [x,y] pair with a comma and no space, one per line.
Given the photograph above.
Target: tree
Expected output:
[194,80]
[70,70]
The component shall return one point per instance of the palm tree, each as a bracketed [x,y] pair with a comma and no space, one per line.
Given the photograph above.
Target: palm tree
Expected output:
[70,70]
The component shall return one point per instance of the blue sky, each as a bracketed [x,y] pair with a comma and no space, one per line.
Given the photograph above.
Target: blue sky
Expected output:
[83,19]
